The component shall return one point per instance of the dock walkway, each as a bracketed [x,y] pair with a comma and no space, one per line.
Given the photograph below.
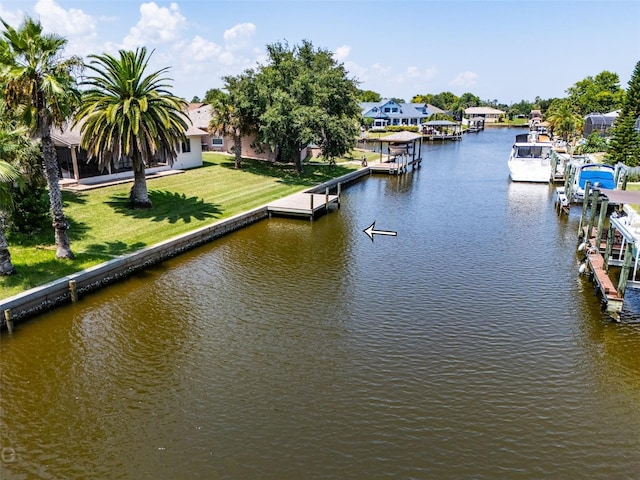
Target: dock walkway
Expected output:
[394,167]
[304,204]
[613,301]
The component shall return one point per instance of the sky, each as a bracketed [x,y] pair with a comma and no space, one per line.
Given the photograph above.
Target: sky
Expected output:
[504,50]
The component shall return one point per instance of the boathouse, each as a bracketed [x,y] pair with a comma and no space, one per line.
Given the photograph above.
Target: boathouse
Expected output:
[442,130]
[610,243]
[398,151]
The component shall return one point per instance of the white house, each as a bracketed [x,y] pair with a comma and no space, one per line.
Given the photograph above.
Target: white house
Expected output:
[490,114]
[387,112]
[75,167]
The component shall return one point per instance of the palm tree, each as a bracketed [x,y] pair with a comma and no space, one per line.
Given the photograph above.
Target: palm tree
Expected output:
[10,147]
[127,114]
[42,88]
[226,121]
[563,120]
[8,175]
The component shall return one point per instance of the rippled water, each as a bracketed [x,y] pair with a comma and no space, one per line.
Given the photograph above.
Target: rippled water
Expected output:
[465,347]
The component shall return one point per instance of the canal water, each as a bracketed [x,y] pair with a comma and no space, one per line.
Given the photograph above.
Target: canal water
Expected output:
[467,346]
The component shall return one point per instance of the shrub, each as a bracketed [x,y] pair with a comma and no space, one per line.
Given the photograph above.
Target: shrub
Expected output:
[31,210]
[594,143]
[402,128]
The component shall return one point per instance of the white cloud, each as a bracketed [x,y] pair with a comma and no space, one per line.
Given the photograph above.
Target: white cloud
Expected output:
[13,18]
[380,70]
[414,73]
[341,53]
[76,26]
[464,80]
[156,25]
[239,36]
[202,50]
[69,23]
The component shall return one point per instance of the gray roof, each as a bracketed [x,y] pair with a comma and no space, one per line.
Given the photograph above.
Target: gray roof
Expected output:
[70,137]
[200,116]
[400,137]
[407,110]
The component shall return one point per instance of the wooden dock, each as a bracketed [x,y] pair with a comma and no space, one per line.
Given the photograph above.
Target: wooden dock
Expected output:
[613,301]
[396,167]
[304,204]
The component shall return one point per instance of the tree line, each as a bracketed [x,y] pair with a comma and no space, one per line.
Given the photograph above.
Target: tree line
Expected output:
[601,93]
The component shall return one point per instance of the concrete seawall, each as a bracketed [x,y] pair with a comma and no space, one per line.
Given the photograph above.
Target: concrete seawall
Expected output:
[40,299]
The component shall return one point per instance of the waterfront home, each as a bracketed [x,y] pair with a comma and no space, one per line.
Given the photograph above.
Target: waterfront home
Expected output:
[200,115]
[490,114]
[389,112]
[75,169]
[535,119]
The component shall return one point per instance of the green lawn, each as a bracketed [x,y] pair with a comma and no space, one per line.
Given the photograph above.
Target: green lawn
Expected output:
[102,226]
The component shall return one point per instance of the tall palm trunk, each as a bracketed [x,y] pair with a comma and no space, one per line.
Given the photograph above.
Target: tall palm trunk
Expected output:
[139,196]
[6,267]
[59,221]
[237,141]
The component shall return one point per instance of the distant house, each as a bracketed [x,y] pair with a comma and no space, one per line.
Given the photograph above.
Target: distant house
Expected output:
[599,123]
[200,116]
[387,112]
[535,118]
[490,115]
[75,168]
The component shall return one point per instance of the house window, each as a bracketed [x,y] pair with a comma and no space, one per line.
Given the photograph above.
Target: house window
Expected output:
[387,109]
[186,146]
[394,110]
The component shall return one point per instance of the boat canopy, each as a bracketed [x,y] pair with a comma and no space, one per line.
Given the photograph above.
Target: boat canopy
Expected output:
[532,150]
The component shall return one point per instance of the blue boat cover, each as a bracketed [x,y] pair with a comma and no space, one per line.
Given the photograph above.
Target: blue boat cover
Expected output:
[604,178]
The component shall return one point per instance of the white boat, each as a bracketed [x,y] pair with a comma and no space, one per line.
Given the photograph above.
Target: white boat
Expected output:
[530,158]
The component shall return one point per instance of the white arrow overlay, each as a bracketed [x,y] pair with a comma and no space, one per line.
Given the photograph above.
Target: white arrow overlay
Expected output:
[371,231]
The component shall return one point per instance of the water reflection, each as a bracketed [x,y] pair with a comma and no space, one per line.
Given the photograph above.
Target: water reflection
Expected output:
[465,347]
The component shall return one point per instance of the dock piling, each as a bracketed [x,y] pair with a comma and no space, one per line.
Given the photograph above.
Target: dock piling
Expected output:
[583,215]
[592,217]
[8,320]
[73,290]
[603,215]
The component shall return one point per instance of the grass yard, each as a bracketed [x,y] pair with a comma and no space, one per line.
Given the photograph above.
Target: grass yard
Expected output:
[102,225]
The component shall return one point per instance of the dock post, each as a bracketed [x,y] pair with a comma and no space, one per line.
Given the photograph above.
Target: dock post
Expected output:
[569,176]
[611,232]
[326,199]
[592,216]
[8,320]
[73,291]
[624,273]
[339,191]
[583,215]
[603,214]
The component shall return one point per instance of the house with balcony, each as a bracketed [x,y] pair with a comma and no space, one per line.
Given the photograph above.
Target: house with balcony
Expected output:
[387,112]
